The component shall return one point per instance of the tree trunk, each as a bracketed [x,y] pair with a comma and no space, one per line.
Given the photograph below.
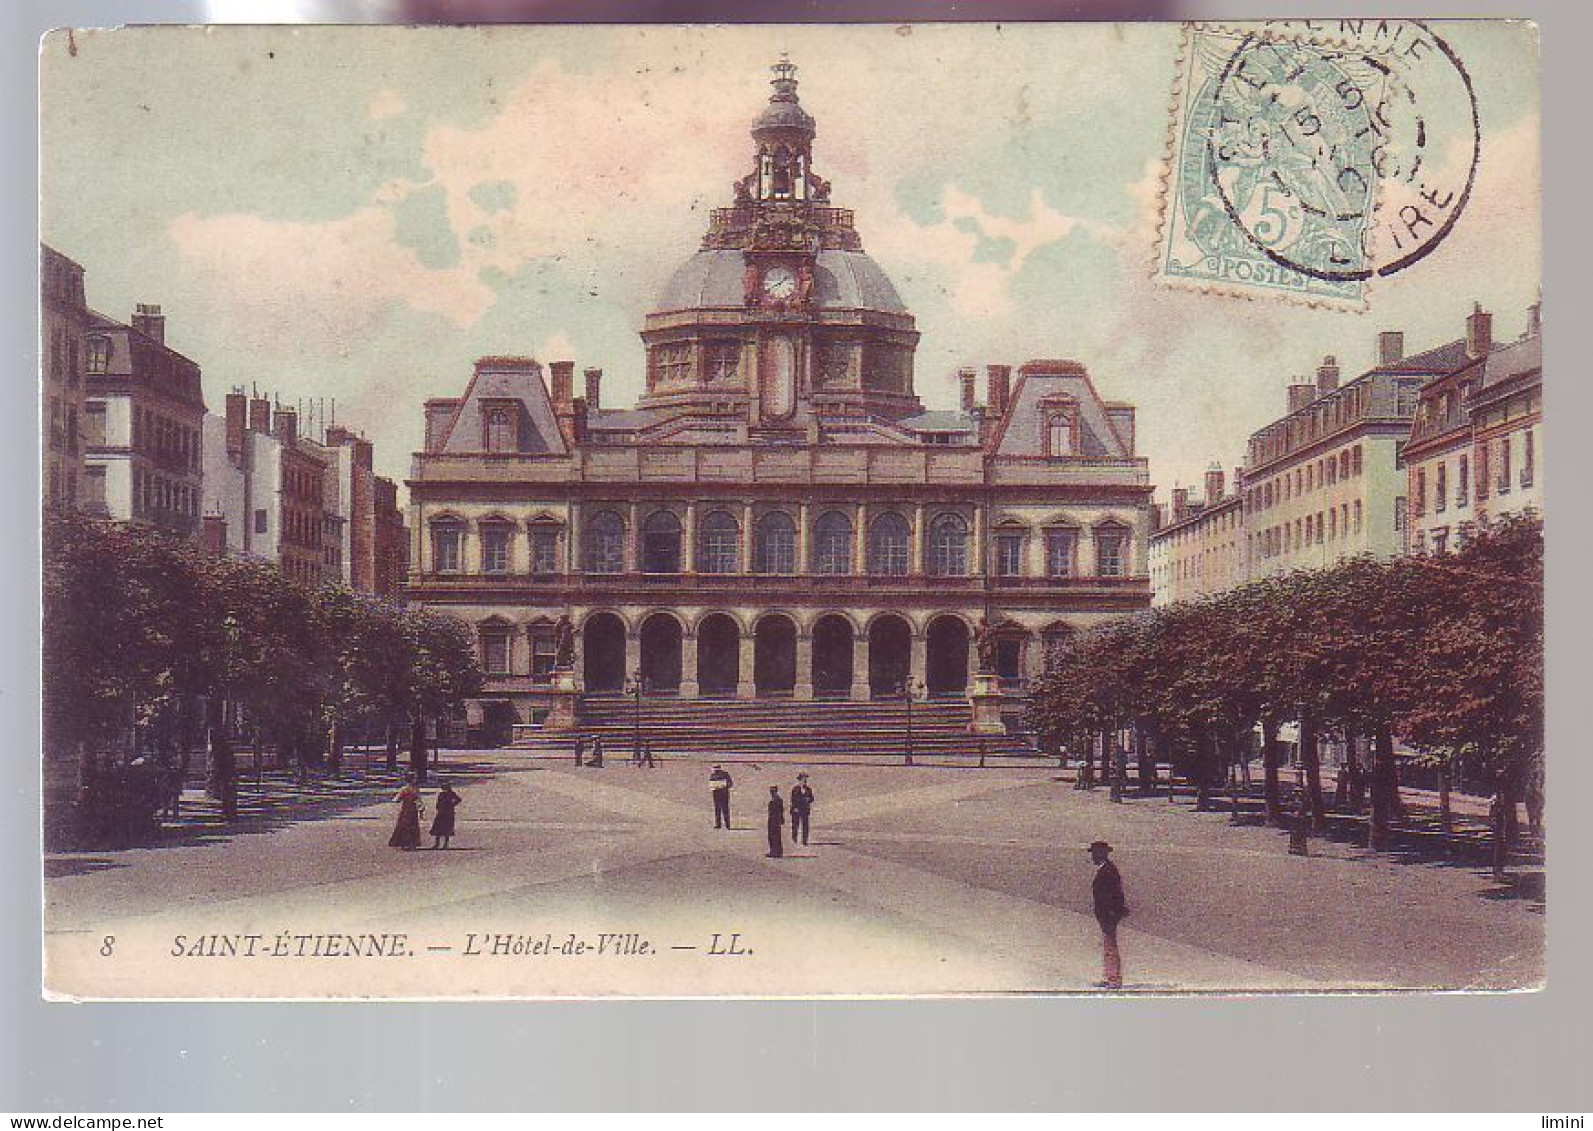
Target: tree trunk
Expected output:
[222,777]
[1233,760]
[1112,763]
[1446,818]
[334,747]
[1311,765]
[1202,773]
[1145,762]
[1271,761]
[417,749]
[1385,790]
[1503,802]
[392,746]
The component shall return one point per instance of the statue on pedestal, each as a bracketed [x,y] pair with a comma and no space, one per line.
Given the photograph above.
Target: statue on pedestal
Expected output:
[985,646]
[563,644]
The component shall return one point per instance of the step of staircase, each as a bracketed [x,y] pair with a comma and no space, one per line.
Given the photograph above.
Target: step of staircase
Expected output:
[780,728]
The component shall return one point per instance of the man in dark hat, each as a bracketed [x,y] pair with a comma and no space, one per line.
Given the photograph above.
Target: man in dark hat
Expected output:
[719,786]
[801,807]
[776,822]
[1110,907]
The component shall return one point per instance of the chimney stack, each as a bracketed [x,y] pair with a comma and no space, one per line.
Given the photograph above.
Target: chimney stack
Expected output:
[260,415]
[965,380]
[563,384]
[1301,393]
[237,422]
[1327,375]
[364,453]
[337,435]
[594,389]
[1390,346]
[150,322]
[1479,332]
[998,384]
[578,420]
[1180,503]
[287,425]
[1534,319]
[1214,485]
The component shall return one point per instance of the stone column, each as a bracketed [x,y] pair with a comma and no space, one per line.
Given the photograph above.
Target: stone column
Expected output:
[980,550]
[746,537]
[572,539]
[1084,553]
[633,652]
[918,658]
[746,683]
[860,665]
[688,543]
[804,557]
[860,541]
[688,664]
[804,665]
[916,544]
[633,541]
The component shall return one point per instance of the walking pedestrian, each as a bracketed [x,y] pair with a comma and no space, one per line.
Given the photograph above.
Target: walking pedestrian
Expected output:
[719,787]
[406,833]
[1110,908]
[801,808]
[442,825]
[596,757]
[580,749]
[647,755]
[776,823]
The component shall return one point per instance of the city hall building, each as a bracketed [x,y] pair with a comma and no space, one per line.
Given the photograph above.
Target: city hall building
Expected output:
[778,516]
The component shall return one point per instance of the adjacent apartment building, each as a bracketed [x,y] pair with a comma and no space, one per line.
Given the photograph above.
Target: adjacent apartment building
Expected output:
[63,348]
[1198,546]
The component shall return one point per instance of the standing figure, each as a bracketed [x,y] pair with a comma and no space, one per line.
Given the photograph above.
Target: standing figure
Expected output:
[596,757]
[647,755]
[1110,907]
[580,750]
[442,825]
[406,834]
[776,822]
[801,807]
[719,787]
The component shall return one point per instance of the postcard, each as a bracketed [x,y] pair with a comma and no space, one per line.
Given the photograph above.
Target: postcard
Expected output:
[567,512]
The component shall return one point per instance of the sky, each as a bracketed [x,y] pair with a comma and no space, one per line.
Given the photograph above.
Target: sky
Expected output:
[358,213]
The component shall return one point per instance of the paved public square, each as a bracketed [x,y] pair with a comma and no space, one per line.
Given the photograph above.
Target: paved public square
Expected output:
[918,880]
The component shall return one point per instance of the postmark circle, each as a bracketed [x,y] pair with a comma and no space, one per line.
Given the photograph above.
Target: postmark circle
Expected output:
[1337,161]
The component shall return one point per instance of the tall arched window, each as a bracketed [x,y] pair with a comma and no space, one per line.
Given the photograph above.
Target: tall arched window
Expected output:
[889,545]
[774,548]
[948,546]
[832,543]
[661,543]
[719,544]
[502,435]
[605,543]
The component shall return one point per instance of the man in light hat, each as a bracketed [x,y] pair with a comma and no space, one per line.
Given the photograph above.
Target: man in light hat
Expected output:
[1110,907]
[719,786]
[801,806]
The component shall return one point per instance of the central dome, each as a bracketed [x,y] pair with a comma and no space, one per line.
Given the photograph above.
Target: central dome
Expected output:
[842,280]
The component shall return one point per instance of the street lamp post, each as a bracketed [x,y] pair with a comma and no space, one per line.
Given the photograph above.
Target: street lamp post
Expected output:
[636,715]
[910,691]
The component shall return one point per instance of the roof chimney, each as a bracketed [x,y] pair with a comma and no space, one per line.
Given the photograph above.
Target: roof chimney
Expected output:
[965,380]
[1479,332]
[237,422]
[364,453]
[1327,375]
[594,389]
[150,322]
[287,425]
[1534,319]
[578,420]
[1214,485]
[1301,393]
[563,384]
[1180,504]
[260,415]
[1390,346]
[998,384]
[337,435]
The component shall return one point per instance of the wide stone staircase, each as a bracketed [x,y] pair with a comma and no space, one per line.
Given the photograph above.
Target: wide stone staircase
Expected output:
[785,729]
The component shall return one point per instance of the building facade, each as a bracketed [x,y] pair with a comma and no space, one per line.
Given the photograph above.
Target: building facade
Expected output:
[64,350]
[1474,449]
[1198,547]
[778,515]
[143,425]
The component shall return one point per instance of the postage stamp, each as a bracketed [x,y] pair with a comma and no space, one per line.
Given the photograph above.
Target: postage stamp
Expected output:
[1308,158]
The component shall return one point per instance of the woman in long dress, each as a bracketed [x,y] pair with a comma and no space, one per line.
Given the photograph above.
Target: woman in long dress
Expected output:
[406,834]
[442,825]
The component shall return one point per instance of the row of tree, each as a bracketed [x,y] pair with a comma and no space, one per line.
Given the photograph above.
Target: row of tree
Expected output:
[1441,654]
[151,643]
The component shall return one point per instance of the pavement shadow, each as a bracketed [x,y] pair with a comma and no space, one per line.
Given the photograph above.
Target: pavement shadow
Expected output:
[1528,886]
[57,868]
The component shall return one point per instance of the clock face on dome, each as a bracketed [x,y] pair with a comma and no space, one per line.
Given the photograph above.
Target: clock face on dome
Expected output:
[779,282]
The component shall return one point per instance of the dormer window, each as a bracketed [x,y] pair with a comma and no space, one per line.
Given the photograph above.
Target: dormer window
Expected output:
[500,428]
[1060,419]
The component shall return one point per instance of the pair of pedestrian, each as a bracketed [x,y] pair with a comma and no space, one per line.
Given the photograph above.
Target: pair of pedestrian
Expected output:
[643,756]
[411,807]
[801,813]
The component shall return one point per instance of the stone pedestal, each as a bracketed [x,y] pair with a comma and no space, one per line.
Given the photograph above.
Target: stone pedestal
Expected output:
[561,717]
[985,698]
